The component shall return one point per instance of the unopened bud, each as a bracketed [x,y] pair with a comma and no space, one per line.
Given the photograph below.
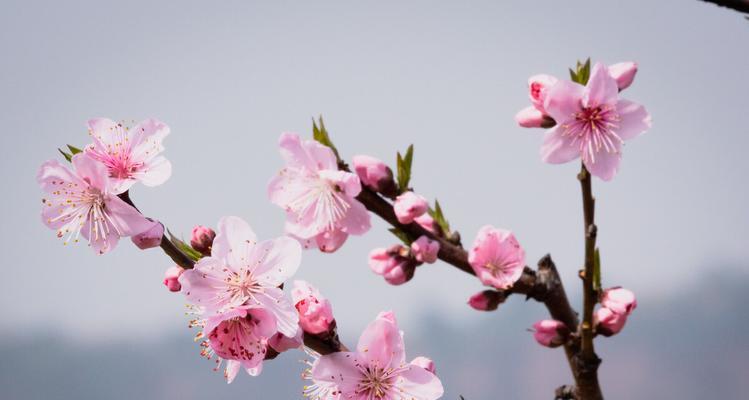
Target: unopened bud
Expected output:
[487,300]
[202,239]
[425,250]
[608,322]
[409,206]
[171,278]
[374,174]
[550,332]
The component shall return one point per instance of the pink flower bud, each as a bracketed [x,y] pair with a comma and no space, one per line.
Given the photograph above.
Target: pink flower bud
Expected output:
[400,273]
[315,311]
[530,117]
[608,322]
[550,332]
[280,342]
[202,239]
[391,265]
[538,86]
[427,222]
[330,241]
[374,174]
[425,363]
[425,250]
[409,206]
[149,238]
[487,300]
[619,300]
[171,278]
[624,73]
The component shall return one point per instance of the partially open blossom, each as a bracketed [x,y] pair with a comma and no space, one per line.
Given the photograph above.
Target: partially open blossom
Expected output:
[425,250]
[317,197]
[427,222]
[409,206]
[377,369]
[374,174]
[592,123]
[315,311]
[550,333]
[150,238]
[538,86]
[240,271]
[624,73]
[171,278]
[608,322]
[394,267]
[619,300]
[280,342]
[202,239]
[239,336]
[82,202]
[130,154]
[425,363]
[487,300]
[496,257]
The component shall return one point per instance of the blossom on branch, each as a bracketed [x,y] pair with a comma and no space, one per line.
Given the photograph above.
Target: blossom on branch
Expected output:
[496,257]
[409,206]
[315,311]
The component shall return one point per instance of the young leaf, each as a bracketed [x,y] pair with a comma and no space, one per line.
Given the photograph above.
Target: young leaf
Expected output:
[74,150]
[320,134]
[597,271]
[184,247]
[403,236]
[67,156]
[439,217]
[404,168]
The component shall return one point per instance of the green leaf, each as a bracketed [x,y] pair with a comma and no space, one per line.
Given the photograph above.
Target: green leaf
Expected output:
[404,169]
[439,217]
[403,236]
[581,74]
[67,156]
[597,270]
[184,247]
[320,134]
[74,150]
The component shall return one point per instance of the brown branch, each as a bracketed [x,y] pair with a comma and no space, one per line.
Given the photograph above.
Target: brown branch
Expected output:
[587,381]
[737,5]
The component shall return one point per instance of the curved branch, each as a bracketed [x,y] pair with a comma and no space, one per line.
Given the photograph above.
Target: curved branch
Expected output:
[737,5]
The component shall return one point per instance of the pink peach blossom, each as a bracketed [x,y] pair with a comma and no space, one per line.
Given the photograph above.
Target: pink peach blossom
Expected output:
[202,239]
[487,300]
[315,311]
[171,278]
[373,173]
[391,265]
[427,222]
[425,250]
[619,300]
[550,333]
[150,238]
[241,271]
[280,342]
[330,241]
[592,123]
[318,198]
[376,370]
[624,73]
[496,257]
[530,117]
[239,336]
[409,206]
[425,363]
[538,87]
[130,154]
[82,202]
[608,322]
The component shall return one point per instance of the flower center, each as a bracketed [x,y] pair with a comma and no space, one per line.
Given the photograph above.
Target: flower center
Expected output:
[324,200]
[592,130]
[376,382]
[242,286]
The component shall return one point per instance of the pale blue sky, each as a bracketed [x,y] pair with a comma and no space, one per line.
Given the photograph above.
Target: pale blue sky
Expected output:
[228,77]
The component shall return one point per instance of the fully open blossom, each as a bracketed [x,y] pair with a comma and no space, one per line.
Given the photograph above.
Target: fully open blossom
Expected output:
[619,300]
[376,370]
[425,250]
[550,332]
[82,202]
[241,271]
[409,206]
[149,238]
[592,123]
[239,336]
[171,278]
[201,239]
[130,154]
[318,198]
[608,322]
[315,311]
[373,173]
[496,257]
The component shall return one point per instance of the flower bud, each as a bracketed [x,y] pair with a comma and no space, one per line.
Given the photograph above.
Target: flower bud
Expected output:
[487,300]
[392,265]
[425,250]
[624,73]
[427,222]
[619,300]
[374,173]
[315,311]
[171,278]
[608,322]
[330,241]
[425,363]
[149,238]
[538,86]
[530,117]
[550,332]
[202,239]
[400,273]
[409,206]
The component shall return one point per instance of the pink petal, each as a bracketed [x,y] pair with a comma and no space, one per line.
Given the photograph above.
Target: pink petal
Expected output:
[234,239]
[287,319]
[341,369]
[601,88]
[92,171]
[347,181]
[146,139]
[330,241]
[322,156]
[529,117]
[634,119]
[357,219]
[274,261]
[381,344]
[306,154]
[563,100]
[418,383]
[125,217]
[557,148]
[199,283]
[606,164]
[155,172]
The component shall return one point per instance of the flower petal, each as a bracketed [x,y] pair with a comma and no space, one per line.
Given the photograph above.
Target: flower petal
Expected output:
[601,87]
[357,219]
[340,369]
[418,383]
[287,319]
[125,218]
[557,148]
[234,239]
[563,100]
[155,172]
[606,164]
[274,261]
[634,119]
[199,283]
[381,344]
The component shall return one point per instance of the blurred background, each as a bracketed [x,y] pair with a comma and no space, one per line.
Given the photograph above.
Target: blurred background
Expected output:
[229,77]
